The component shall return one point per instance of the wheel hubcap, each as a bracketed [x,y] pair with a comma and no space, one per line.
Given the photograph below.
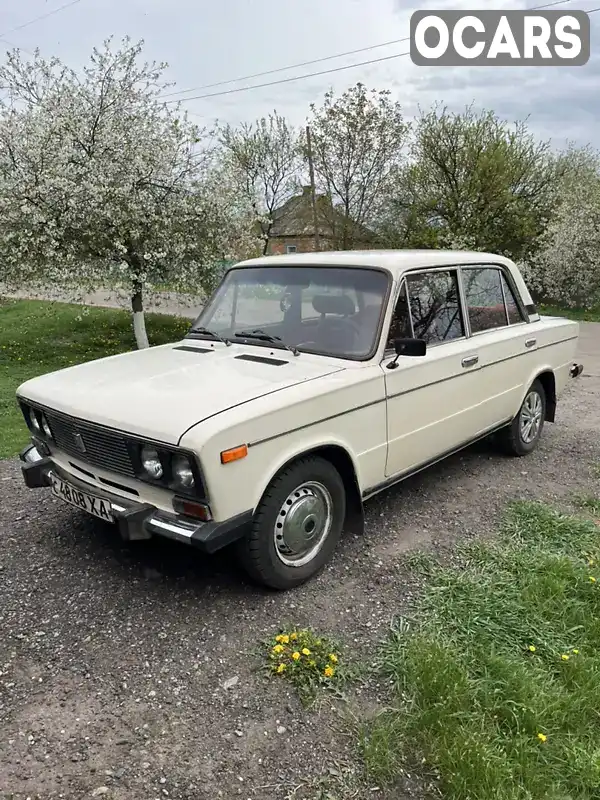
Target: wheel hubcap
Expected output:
[531,417]
[303,524]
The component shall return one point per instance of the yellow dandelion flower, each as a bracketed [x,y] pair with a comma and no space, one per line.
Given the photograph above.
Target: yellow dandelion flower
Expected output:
[329,672]
[333,657]
[532,648]
[278,648]
[592,579]
[305,651]
[565,657]
[293,636]
[279,638]
[296,655]
[542,737]
[576,652]
[285,639]
[281,668]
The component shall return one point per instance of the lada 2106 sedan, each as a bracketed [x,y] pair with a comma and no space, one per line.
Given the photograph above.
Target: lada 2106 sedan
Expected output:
[308,384]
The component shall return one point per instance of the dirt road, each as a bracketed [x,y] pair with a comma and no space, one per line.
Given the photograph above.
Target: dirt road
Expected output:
[113,658]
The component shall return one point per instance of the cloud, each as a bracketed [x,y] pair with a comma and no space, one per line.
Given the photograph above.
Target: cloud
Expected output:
[206,42]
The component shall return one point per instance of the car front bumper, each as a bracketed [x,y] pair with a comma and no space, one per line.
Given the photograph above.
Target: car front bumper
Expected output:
[139,520]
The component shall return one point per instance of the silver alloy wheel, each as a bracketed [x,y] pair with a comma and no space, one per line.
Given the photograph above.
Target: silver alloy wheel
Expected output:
[303,523]
[530,421]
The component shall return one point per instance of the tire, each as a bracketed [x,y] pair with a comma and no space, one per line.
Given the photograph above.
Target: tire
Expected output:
[514,440]
[310,494]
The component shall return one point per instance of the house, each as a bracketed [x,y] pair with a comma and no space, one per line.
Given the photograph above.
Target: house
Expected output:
[293,229]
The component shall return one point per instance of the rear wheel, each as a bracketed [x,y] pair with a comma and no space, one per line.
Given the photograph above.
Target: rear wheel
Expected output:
[521,437]
[296,525]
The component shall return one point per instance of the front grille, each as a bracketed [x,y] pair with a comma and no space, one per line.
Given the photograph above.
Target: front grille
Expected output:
[96,446]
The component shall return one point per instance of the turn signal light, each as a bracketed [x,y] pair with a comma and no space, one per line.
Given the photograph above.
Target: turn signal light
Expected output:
[234,454]
[191,509]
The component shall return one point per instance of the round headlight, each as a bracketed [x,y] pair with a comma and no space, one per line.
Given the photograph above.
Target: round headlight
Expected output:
[46,427]
[151,463]
[33,418]
[182,472]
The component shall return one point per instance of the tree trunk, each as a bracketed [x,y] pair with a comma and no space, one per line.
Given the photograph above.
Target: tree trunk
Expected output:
[139,321]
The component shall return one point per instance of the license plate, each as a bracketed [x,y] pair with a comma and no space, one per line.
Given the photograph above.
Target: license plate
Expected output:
[96,506]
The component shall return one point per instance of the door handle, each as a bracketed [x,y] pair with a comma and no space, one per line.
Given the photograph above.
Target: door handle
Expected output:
[470,361]
[530,342]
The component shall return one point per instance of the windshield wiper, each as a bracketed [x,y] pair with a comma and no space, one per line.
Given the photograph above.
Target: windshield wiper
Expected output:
[258,333]
[211,333]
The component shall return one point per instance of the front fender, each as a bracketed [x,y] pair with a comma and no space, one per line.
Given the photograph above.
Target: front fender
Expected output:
[290,451]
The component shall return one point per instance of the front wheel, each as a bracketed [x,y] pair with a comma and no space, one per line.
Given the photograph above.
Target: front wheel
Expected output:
[521,437]
[296,526]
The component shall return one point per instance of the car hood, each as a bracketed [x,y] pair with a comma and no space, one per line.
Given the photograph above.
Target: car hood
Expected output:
[161,392]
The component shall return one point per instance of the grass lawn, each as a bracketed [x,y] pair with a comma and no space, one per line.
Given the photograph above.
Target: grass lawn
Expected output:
[497,686]
[38,337]
[593,315]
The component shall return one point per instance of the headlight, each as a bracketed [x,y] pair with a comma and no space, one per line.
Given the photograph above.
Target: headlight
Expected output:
[46,426]
[151,463]
[33,418]
[182,472]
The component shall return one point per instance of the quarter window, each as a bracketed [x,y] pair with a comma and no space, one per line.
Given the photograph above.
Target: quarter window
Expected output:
[434,306]
[512,307]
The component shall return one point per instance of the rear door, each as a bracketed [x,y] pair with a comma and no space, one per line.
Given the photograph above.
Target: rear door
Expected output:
[501,335]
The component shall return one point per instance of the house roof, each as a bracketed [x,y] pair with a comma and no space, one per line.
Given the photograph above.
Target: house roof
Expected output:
[295,217]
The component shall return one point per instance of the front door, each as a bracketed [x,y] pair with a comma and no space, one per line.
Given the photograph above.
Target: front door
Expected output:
[436,402]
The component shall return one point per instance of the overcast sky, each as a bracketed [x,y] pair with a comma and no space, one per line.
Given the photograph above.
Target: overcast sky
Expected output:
[208,42]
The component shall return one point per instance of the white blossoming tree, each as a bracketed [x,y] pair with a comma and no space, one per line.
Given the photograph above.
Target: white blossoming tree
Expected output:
[566,268]
[101,184]
[265,160]
[358,145]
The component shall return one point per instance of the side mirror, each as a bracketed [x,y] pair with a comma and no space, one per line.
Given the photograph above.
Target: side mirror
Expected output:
[408,347]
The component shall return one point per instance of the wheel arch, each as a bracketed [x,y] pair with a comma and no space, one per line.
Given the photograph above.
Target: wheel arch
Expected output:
[548,381]
[341,459]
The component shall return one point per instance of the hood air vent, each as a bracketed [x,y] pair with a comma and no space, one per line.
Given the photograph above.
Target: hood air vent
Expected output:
[195,349]
[275,362]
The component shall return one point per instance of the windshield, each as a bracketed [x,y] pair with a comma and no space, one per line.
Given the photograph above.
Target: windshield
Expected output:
[332,311]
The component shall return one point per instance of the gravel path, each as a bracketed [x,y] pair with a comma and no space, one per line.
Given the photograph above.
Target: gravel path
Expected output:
[172,303]
[113,658]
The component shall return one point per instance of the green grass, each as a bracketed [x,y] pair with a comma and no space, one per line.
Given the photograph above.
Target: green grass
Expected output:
[505,653]
[590,504]
[591,315]
[38,337]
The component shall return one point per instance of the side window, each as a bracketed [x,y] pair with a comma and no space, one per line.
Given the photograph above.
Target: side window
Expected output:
[485,298]
[400,327]
[512,307]
[434,306]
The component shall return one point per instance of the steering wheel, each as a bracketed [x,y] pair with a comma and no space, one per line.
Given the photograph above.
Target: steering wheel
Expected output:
[348,321]
[344,321]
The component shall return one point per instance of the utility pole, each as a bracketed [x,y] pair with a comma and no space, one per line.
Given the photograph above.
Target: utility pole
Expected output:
[312,188]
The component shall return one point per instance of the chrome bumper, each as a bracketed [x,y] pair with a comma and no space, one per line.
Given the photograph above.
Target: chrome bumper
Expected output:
[139,520]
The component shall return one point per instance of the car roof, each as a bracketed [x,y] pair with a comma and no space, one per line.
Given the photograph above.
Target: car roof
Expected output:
[395,261]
